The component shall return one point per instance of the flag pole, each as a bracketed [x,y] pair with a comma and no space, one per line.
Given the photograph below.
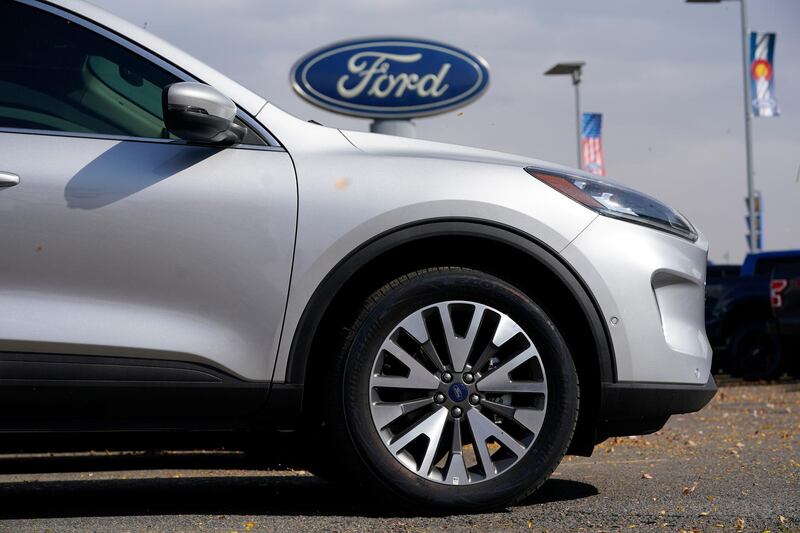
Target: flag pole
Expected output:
[748,150]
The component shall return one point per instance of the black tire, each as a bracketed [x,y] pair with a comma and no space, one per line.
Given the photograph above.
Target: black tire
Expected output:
[755,352]
[349,425]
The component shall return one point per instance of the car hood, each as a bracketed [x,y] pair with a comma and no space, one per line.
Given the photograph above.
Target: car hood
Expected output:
[390,145]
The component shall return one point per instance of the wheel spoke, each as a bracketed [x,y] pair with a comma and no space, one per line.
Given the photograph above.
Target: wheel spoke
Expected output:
[539,387]
[483,429]
[499,408]
[506,329]
[456,468]
[430,350]
[434,436]
[479,445]
[415,326]
[418,377]
[488,352]
[459,346]
[499,379]
[385,413]
[400,382]
[530,418]
[431,426]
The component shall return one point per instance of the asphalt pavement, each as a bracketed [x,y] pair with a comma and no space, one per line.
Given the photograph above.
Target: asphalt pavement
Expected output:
[735,466]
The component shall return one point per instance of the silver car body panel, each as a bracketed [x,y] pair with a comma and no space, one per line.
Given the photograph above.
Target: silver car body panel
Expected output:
[348,198]
[351,193]
[116,284]
[142,249]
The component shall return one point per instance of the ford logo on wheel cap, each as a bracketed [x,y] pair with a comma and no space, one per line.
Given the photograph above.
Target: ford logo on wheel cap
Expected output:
[457,392]
[392,77]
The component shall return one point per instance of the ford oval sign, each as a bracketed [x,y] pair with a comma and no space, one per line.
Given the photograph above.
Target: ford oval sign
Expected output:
[390,78]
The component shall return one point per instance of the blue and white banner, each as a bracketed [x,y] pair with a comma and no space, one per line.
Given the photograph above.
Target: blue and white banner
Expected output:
[762,74]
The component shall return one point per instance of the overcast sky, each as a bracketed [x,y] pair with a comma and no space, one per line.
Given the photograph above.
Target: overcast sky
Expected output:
[666,75]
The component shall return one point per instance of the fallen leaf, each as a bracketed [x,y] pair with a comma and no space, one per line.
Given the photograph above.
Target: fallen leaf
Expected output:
[739,523]
[645,475]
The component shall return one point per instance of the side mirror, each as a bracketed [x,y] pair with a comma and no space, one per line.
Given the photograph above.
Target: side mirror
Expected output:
[200,113]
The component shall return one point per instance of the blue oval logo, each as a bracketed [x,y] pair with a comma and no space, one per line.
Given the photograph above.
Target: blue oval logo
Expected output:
[457,392]
[390,77]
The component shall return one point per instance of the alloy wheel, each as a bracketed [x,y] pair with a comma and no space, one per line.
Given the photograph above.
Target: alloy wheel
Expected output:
[458,392]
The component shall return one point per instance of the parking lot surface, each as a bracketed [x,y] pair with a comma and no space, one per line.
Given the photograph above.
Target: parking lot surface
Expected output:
[733,466]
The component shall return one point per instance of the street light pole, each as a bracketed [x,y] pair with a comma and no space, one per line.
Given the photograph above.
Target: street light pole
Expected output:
[748,149]
[576,80]
[575,70]
[748,137]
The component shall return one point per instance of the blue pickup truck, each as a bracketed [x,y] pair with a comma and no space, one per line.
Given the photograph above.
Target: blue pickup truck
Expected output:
[739,317]
[784,295]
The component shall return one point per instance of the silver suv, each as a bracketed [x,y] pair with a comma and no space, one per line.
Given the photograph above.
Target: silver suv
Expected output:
[180,257]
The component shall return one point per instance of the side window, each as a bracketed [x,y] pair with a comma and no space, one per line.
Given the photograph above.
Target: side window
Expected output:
[59,76]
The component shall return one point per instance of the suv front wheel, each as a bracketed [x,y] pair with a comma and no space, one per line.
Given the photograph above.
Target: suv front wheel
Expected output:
[454,390]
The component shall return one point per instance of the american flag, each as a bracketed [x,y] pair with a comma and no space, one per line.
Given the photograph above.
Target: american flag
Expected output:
[592,144]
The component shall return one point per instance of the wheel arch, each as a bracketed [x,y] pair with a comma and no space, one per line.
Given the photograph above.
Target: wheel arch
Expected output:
[496,249]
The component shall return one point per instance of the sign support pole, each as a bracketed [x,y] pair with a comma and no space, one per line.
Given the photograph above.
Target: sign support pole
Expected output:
[401,128]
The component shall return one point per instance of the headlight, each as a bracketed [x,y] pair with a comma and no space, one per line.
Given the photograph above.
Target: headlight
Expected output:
[617,201]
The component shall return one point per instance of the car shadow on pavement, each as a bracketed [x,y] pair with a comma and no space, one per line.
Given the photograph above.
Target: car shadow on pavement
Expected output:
[173,492]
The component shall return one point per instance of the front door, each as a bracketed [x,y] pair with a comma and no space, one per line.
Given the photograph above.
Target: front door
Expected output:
[127,256]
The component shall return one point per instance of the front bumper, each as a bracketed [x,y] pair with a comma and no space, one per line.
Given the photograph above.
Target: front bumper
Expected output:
[649,287]
[642,408]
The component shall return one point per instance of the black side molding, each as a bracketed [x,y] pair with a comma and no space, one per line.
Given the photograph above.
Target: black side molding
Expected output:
[53,392]
[50,367]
